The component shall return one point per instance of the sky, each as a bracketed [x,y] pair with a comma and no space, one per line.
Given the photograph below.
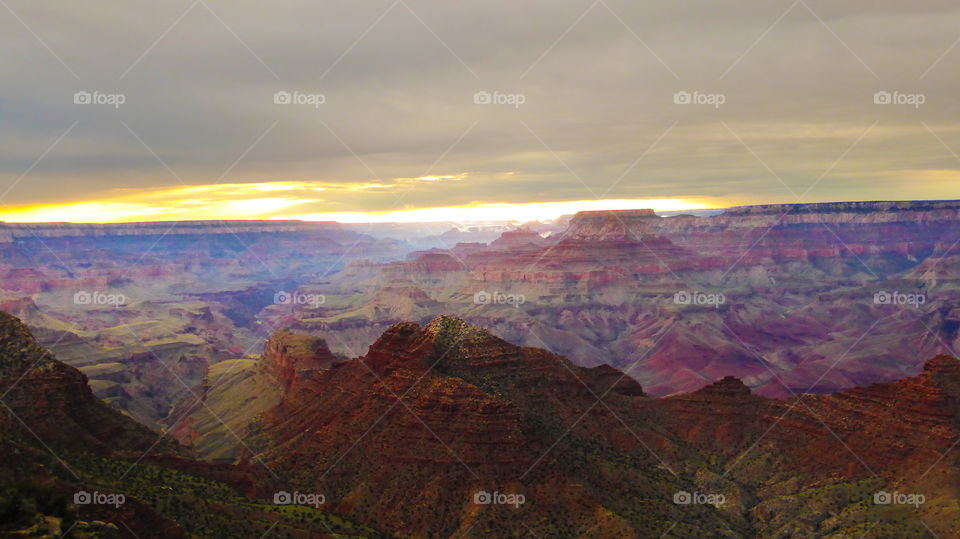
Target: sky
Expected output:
[405,110]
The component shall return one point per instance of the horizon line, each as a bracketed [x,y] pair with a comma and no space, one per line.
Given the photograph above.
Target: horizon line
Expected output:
[697,208]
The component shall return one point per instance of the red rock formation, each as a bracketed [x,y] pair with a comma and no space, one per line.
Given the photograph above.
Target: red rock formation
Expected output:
[292,358]
[432,414]
[521,238]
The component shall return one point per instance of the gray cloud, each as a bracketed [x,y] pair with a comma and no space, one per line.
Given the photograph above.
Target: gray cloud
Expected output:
[596,98]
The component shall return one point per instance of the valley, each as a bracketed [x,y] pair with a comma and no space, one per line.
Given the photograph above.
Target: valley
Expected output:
[763,371]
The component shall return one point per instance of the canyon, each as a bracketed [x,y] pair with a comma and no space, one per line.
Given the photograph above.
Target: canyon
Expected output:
[821,296]
[145,309]
[793,362]
[446,430]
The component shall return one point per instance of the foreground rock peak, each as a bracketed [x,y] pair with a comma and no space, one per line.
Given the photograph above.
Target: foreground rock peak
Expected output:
[445,326]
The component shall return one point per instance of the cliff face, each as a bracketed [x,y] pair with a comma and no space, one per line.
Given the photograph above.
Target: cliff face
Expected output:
[293,358]
[610,225]
[895,210]
[235,393]
[828,230]
[787,231]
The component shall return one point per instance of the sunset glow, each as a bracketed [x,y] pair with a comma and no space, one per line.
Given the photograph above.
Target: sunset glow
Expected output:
[310,201]
[278,208]
[534,211]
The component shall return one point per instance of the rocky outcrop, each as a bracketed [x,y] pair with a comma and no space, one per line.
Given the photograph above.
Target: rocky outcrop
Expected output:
[293,358]
[727,389]
[521,238]
[610,225]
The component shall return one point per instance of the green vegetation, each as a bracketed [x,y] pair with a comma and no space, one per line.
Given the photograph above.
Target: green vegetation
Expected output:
[24,505]
[204,507]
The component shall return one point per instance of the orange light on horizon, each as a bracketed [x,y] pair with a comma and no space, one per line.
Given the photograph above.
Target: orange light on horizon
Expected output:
[131,212]
[496,211]
[299,200]
[276,208]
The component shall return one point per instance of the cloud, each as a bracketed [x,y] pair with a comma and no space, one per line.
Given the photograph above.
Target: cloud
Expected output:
[598,117]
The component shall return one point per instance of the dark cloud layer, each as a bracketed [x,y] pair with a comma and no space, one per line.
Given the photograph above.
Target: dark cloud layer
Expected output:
[597,81]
